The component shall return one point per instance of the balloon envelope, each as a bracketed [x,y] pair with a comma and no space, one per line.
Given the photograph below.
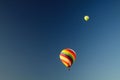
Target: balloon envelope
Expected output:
[67,57]
[86,18]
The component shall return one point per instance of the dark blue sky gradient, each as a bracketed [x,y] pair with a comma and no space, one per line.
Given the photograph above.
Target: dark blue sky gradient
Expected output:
[32,34]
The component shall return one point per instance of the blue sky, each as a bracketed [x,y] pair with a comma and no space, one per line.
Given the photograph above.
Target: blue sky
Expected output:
[32,34]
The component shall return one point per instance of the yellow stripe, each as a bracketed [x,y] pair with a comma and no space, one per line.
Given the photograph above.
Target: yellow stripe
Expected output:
[65,59]
[65,64]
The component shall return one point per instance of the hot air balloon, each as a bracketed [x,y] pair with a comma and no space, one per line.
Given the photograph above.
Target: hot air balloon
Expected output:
[86,18]
[67,57]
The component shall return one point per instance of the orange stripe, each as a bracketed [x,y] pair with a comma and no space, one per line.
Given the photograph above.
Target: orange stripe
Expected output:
[68,65]
[65,64]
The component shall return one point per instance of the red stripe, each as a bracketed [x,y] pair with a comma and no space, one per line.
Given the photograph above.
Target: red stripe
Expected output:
[70,59]
[73,53]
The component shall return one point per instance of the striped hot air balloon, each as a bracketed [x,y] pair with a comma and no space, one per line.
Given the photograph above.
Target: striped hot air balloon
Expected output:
[67,57]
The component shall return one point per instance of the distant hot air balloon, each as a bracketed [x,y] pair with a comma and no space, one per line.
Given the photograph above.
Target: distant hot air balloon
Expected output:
[67,57]
[86,18]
